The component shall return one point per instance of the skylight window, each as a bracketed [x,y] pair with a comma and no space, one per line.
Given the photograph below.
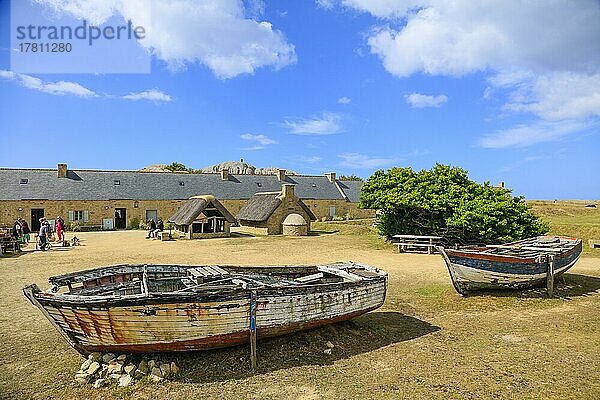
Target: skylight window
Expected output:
[258,184]
[117,182]
[181,183]
[24,181]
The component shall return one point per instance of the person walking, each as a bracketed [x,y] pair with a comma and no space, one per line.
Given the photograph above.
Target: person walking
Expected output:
[43,234]
[60,226]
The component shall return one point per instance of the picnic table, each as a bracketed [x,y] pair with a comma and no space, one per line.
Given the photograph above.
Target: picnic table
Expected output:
[405,242]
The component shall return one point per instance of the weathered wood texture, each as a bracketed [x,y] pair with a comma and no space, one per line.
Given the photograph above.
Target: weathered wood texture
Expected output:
[208,318]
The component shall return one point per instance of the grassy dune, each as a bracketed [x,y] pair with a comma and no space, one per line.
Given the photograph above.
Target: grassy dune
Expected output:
[571,218]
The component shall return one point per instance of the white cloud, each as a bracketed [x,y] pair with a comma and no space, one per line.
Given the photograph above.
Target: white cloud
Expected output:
[326,4]
[55,88]
[260,139]
[418,100]
[221,34]
[344,100]
[558,96]
[325,124]
[63,88]
[152,95]
[537,132]
[544,57]
[362,161]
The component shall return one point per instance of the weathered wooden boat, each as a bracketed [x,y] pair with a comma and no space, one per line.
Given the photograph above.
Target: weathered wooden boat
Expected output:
[525,263]
[156,308]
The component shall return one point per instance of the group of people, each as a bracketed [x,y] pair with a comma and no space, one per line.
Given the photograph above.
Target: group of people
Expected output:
[154,228]
[22,232]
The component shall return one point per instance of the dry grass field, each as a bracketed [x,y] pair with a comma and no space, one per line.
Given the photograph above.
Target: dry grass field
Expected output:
[425,342]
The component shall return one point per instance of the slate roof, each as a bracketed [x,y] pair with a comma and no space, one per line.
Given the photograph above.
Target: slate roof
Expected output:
[43,184]
[352,189]
[190,210]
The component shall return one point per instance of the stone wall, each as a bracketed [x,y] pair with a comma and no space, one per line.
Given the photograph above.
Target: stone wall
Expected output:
[99,209]
[295,230]
[342,208]
[289,205]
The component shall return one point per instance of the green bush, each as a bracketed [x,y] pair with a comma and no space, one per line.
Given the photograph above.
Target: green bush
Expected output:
[74,226]
[134,223]
[444,201]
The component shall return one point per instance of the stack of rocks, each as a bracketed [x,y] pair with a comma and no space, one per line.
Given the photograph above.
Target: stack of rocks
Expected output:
[106,369]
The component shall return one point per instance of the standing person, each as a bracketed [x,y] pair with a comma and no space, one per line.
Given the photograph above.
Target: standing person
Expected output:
[17,230]
[60,226]
[43,234]
[26,231]
[151,228]
[159,227]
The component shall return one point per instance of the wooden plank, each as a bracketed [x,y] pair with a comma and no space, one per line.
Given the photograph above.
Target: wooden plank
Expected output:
[253,300]
[550,276]
[309,278]
[221,270]
[500,246]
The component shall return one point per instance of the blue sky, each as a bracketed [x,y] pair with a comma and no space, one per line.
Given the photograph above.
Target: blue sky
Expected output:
[349,86]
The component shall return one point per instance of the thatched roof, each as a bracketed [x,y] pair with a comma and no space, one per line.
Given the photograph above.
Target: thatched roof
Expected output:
[190,210]
[260,207]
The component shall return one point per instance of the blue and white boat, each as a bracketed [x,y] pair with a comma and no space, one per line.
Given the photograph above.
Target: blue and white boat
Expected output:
[525,263]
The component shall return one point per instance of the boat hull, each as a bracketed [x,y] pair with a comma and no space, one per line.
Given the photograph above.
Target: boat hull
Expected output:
[471,272]
[188,321]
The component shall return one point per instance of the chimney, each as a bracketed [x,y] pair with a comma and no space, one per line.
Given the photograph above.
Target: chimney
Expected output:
[281,175]
[330,176]
[501,184]
[287,190]
[225,174]
[62,170]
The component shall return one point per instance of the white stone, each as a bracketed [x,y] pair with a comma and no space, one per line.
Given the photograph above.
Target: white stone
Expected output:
[125,380]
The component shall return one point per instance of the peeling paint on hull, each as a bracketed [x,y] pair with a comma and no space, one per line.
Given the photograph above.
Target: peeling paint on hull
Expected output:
[481,269]
[195,321]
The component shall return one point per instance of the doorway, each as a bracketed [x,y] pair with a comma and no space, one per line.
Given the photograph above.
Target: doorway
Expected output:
[36,214]
[120,218]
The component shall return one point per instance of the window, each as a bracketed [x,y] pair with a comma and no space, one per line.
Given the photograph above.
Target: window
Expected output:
[24,181]
[181,183]
[258,184]
[117,182]
[78,215]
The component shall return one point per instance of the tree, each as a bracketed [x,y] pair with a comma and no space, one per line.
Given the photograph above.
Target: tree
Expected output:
[444,201]
[350,178]
[175,166]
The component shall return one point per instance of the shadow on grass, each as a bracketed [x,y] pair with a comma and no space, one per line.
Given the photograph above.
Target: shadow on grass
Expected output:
[566,286]
[360,335]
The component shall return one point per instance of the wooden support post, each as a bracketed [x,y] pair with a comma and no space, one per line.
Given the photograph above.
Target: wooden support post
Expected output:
[430,246]
[253,296]
[550,277]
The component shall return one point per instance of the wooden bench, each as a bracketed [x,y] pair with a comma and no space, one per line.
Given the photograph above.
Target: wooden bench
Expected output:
[405,242]
[8,244]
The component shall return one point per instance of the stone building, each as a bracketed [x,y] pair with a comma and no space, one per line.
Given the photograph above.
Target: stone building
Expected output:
[264,213]
[120,199]
[202,217]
